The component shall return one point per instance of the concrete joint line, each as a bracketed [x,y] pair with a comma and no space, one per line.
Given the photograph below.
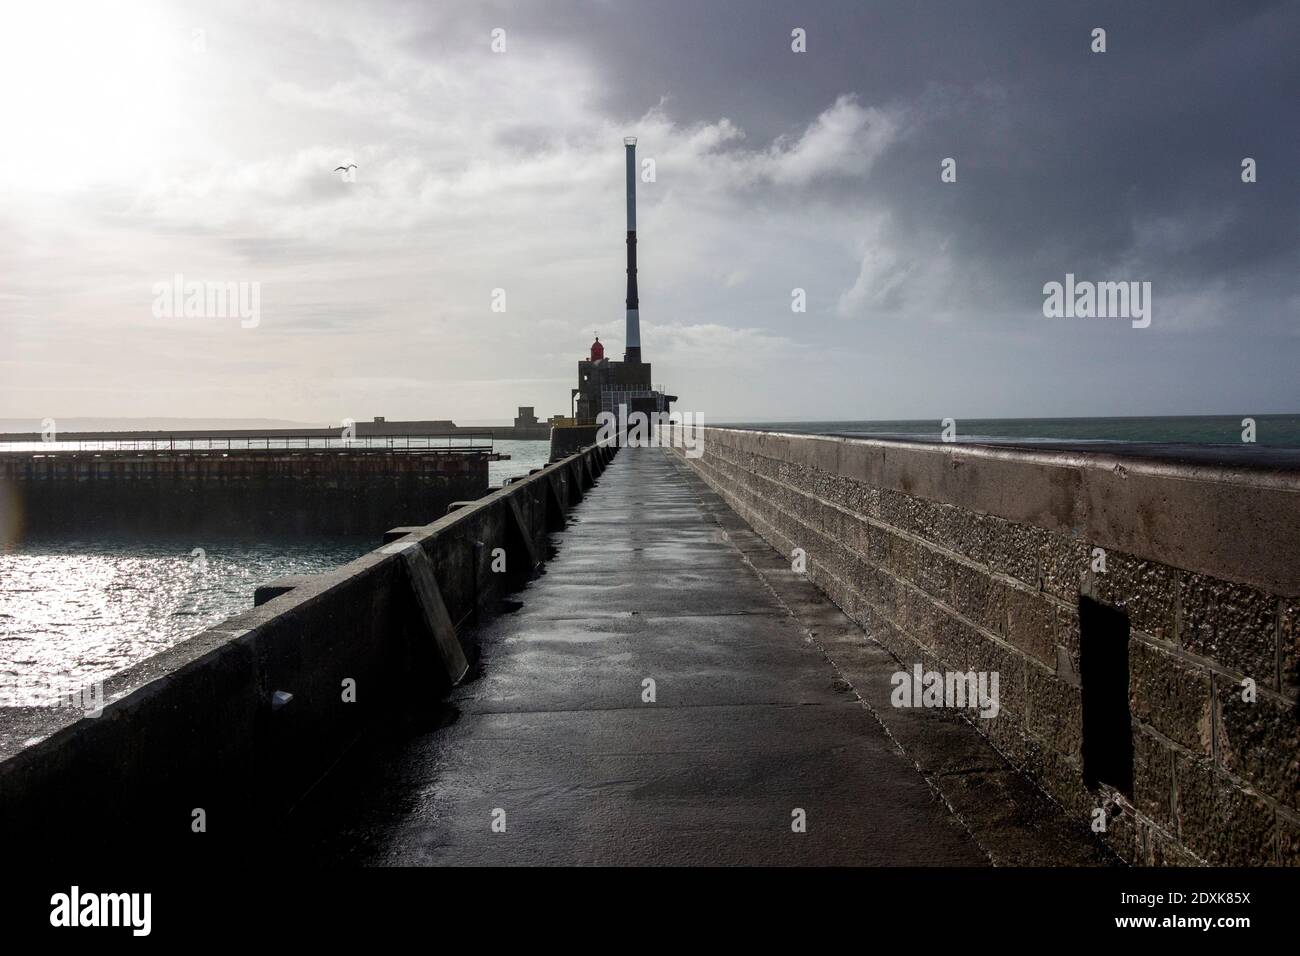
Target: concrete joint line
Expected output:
[557,501]
[525,535]
[433,611]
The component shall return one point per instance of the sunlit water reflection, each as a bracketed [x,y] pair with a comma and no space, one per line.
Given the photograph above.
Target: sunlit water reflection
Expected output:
[83,610]
[79,611]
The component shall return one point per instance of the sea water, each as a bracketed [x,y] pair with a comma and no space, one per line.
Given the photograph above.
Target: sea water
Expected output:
[75,610]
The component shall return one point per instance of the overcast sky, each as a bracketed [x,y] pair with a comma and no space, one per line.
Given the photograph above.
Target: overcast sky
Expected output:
[136,148]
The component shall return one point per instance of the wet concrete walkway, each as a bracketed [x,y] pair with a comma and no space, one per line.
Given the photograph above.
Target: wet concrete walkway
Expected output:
[750,721]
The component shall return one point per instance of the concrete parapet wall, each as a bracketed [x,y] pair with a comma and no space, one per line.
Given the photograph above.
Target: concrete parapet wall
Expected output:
[566,439]
[978,558]
[201,726]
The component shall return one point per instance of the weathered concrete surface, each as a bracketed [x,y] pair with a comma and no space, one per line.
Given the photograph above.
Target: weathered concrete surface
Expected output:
[1258,458]
[973,557]
[751,721]
[199,727]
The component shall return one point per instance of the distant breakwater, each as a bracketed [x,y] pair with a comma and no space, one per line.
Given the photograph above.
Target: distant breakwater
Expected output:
[244,492]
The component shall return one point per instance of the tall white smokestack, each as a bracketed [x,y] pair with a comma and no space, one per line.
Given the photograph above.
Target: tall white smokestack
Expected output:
[633,353]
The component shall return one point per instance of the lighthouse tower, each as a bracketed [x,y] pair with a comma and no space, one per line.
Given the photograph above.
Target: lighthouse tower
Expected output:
[604,385]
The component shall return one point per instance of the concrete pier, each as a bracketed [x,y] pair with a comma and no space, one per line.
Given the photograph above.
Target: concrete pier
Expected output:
[650,677]
[199,752]
[1140,604]
[757,718]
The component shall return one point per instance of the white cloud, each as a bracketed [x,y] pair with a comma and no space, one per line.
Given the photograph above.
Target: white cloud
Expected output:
[710,345]
[475,172]
[846,139]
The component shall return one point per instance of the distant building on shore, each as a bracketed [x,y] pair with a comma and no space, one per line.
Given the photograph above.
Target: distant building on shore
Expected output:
[526,427]
[605,384]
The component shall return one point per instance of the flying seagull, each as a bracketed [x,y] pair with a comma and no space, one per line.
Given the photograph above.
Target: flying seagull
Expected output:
[345,168]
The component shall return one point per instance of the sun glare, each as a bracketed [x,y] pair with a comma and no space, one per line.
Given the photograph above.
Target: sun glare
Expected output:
[89,89]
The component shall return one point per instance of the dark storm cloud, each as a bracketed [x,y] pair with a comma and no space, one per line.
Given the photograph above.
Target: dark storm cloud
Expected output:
[1068,160]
